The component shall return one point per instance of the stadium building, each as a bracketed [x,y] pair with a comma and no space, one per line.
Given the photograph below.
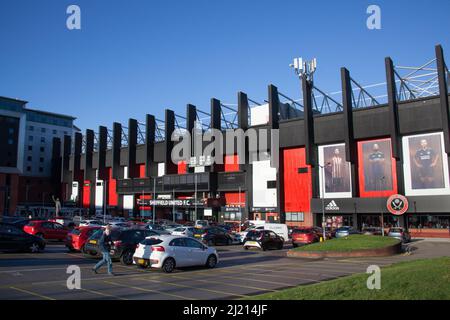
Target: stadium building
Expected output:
[341,156]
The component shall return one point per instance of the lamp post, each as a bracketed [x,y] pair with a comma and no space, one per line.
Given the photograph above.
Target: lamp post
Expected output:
[382,215]
[322,167]
[154,199]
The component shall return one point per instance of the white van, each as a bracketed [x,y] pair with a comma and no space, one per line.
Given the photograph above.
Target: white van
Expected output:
[279,228]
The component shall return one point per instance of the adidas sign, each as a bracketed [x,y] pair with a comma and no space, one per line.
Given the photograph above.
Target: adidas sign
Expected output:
[332,206]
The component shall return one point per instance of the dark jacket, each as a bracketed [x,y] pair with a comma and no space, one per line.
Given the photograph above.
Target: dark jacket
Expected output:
[105,243]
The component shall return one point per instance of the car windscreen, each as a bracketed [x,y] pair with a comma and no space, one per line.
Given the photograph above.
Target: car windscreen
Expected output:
[254,234]
[151,242]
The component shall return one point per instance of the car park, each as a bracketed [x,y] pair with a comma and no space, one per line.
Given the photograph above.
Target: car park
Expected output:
[12,238]
[345,232]
[46,229]
[400,233]
[168,252]
[77,238]
[125,242]
[264,240]
[304,236]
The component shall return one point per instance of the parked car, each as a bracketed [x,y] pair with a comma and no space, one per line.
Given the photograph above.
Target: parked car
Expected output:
[66,222]
[213,236]
[304,236]
[12,238]
[168,252]
[46,229]
[201,223]
[400,233]
[371,231]
[264,240]
[157,227]
[77,238]
[19,222]
[171,227]
[319,232]
[125,243]
[345,232]
[184,231]
[91,223]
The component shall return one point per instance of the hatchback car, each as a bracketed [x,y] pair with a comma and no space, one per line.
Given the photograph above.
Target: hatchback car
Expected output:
[400,233]
[168,252]
[304,236]
[125,242]
[46,230]
[213,236]
[13,238]
[77,238]
[345,232]
[184,231]
[263,239]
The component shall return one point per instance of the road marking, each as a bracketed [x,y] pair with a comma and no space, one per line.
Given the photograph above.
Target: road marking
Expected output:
[254,280]
[149,290]
[103,294]
[225,283]
[272,275]
[32,293]
[196,288]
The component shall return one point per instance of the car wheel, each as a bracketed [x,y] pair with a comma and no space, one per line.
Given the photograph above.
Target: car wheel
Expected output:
[211,262]
[168,265]
[263,248]
[294,245]
[35,248]
[127,258]
[246,248]
[83,249]
[280,246]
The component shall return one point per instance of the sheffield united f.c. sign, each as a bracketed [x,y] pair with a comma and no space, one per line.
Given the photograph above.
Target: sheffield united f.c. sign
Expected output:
[397,204]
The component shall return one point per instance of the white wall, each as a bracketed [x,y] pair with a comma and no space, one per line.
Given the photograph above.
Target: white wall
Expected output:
[259,115]
[262,196]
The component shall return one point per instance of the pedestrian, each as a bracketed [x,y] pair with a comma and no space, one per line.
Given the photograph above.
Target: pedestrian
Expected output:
[105,247]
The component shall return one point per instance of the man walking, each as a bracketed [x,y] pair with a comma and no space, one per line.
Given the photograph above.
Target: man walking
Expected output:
[105,247]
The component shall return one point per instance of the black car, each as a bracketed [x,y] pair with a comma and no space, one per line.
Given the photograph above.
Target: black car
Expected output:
[125,243]
[12,238]
[263,239]
[213,236]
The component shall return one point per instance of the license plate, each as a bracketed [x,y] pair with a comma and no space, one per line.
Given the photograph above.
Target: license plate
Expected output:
[252,242]
[197,236]
[93,242]
[141,261]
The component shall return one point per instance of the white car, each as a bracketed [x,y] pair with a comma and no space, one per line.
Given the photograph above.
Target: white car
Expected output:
[168,252]
[184,231]
[201,223]
[90,223]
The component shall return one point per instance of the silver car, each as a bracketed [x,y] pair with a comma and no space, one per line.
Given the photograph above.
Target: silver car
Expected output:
[400,234]
[345,232]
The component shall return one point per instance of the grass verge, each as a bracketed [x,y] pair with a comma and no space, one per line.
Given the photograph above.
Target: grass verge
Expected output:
[350,243]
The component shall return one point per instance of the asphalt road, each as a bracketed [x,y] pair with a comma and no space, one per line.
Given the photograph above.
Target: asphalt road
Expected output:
[239,274]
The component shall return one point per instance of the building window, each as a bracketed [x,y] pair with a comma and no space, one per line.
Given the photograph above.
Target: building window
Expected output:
[30,148]
[42,149]
[65,132]
[41,159]
[43,130]
[41,169]
[55,132]
[295,216]
[11,130]
[30,138]
[43,139]
[28,168]
[29,158]
[31,128]
[10,141]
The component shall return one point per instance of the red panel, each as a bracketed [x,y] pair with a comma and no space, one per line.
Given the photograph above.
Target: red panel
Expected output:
[231,163]
[141,170]
[86,194]
[363,193]
[232,199]
[182,167]
[146,197]
[112,194]
[297,186]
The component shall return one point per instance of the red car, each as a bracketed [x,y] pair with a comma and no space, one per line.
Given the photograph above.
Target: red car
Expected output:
[46,229]
[304,236]
[76,239]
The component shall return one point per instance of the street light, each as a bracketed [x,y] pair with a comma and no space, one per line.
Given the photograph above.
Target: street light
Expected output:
[323,199]
[382,215]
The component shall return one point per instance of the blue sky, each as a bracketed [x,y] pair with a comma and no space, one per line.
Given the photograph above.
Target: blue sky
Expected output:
[136,57]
